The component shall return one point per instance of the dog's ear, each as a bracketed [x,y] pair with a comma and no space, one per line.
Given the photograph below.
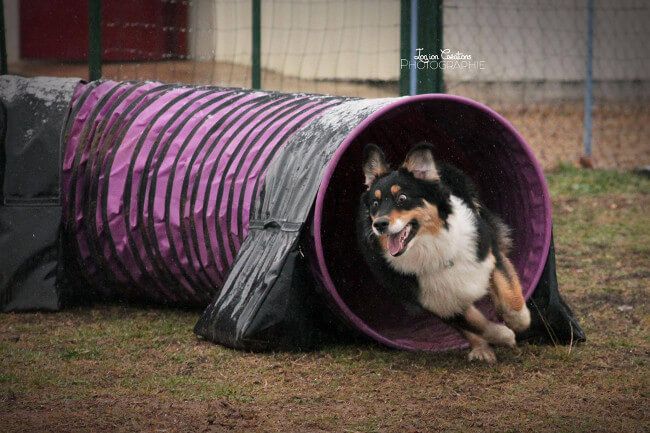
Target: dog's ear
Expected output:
[419,161]
[374,163]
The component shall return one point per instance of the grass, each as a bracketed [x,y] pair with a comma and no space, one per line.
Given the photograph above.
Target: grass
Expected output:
[568,180]
[121,368]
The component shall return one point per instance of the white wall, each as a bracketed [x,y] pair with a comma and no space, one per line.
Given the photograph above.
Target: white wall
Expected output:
[316,39]
[220,30]
[336,39]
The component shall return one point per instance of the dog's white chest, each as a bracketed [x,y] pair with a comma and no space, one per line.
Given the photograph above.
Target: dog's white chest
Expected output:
[449,275]
[450,290]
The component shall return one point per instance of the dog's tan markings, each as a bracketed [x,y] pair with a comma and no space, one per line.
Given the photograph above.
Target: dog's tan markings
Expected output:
[432,222]
[507,287]
[378,194]
[507,296]
[427,216]
[503,291]
[395,189]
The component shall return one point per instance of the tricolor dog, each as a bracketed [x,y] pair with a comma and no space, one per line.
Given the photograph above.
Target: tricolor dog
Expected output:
[425,235]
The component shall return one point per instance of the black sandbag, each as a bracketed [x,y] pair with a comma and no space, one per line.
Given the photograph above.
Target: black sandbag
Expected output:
[34,111]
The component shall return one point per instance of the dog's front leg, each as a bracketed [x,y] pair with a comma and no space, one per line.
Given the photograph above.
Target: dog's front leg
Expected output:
[494,333]
[473,321]
[481,332]
[481,350]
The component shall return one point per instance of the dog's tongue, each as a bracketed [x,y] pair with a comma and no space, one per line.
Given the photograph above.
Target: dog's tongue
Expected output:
[396,242]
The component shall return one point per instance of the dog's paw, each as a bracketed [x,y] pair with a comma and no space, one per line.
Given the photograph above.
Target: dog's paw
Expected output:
[482,353]
[500,335]
[517,320]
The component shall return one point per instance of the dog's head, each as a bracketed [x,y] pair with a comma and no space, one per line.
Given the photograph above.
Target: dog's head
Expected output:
[404,204]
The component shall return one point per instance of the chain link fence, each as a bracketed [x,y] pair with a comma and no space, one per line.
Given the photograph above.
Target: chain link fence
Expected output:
[528,59]
[536,66]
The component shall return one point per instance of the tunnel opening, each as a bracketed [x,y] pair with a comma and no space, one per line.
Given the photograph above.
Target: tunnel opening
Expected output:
[464,133]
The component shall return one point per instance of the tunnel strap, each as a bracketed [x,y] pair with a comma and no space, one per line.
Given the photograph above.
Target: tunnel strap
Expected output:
[285,226]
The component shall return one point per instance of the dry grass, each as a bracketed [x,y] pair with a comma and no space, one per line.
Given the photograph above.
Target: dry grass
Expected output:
[621,134]
[117,368]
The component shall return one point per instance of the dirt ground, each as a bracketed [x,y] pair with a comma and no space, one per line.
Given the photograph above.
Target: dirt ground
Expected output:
[621,129]
[126,369]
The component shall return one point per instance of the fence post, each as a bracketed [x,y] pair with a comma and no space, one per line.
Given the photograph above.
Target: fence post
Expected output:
[589,97]
[413,45]
[421,26]
[405,46]
[430,32]
[94,39]
[256,64]
[3,40]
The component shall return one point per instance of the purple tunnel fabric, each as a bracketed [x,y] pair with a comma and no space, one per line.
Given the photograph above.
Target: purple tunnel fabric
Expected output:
[160,181]
[162,185]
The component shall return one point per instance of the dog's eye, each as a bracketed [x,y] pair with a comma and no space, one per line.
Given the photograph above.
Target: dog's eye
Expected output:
[401,198]
[375,204]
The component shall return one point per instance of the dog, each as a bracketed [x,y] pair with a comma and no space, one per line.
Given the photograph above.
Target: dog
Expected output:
[426,237]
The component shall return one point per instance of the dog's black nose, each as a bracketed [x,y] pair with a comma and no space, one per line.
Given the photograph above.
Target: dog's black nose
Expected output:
[381,224]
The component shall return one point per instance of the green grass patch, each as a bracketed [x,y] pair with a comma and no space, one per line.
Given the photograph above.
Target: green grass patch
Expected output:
[76,353]
[8,378]
[571,181]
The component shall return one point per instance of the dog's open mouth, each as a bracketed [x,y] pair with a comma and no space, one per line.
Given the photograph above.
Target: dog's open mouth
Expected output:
[398,242]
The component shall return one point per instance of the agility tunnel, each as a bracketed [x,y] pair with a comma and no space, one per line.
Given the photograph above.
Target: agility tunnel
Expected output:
[244,201]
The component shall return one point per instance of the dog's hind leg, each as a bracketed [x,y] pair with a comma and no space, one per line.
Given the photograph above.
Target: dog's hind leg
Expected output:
[481,350]
[507,296]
